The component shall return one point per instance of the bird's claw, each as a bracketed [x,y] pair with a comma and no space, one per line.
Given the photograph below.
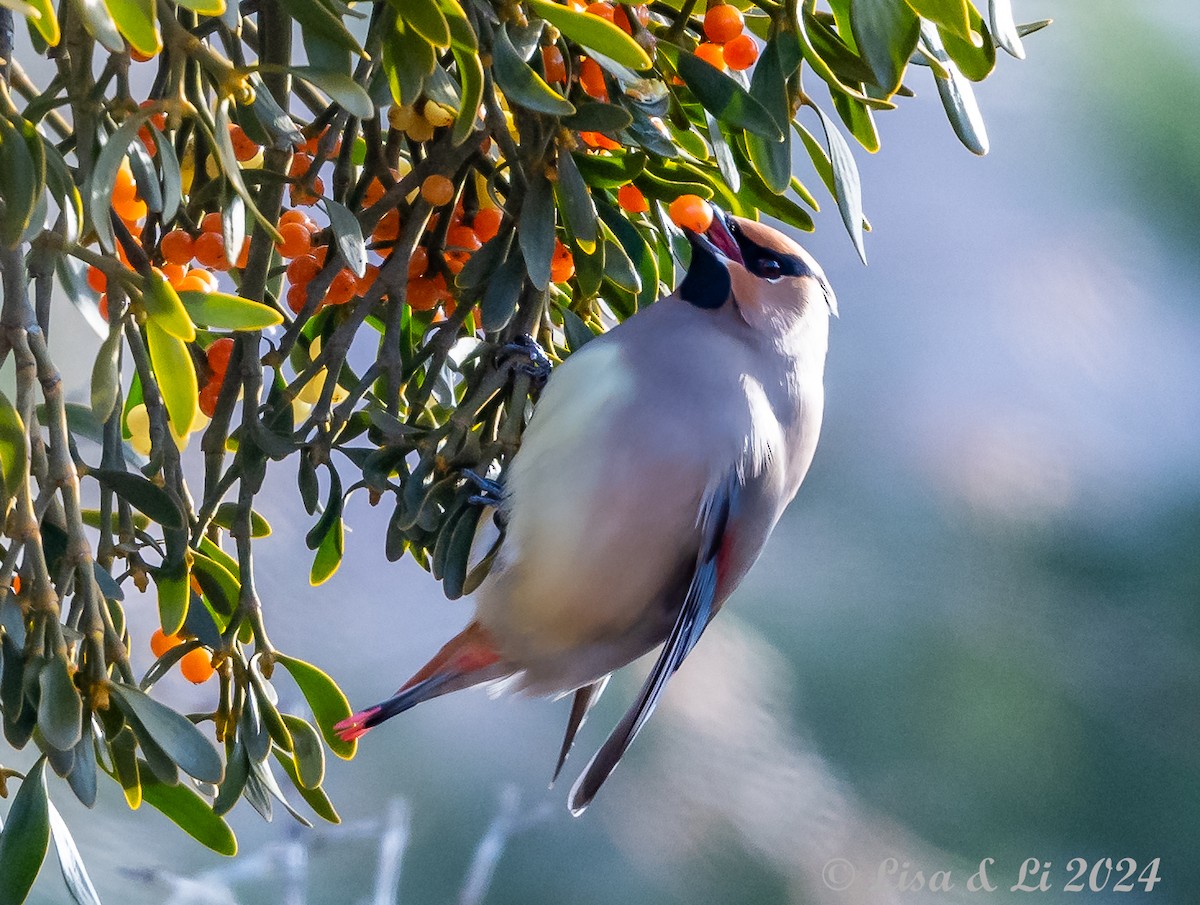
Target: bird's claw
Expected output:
[491,492]
[530,357]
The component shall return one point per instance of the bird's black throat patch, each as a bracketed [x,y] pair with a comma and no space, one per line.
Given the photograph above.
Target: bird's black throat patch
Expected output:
[706,283]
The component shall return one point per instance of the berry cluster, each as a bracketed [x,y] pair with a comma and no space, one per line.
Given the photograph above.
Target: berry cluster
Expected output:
[728,45]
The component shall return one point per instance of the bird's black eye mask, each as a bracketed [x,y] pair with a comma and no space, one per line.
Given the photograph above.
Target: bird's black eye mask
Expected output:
[707,283]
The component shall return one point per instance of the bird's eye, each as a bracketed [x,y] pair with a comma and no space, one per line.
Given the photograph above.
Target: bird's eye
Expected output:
[768,268]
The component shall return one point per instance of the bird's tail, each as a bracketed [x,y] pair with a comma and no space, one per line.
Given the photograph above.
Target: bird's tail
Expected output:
[469,658]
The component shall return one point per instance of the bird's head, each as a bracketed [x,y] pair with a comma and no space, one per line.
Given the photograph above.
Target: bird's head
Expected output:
[768,276]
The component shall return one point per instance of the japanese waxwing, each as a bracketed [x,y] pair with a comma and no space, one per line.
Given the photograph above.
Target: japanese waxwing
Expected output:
[657,461]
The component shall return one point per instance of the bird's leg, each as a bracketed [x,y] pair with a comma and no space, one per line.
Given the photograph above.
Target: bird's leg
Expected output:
[491,493]
[531,357]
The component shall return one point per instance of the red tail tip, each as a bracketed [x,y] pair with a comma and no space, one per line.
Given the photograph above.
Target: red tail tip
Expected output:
[354,727]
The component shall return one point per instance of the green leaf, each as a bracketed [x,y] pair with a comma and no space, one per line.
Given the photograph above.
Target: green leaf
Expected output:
[341,88]
[814,54]
[593,32]
[536,229]
[348,235]
[174,593]
[958,97]
[174,733]
[135,20]
[232,169]
[858,119]
[847,185]
[500,297]
[725,98]
[228,312]
[99,24]
[14,453]
[950,14]
[142,494]
[227,512]
[407,60]
[75,874]
[426,19]
[470,74]
[104,173]
[176,377]
[106,377]
[768,85]
[20,184]
[521,85]
[976,62]
[306,751]
[125,766]
[25,838]
[1004,27]
[314,798]
[44,20]
[598,117]
[165,308]
[60,710]
[204,7]
[574,199]
[315,16]
[886,34]
[191,813]
[329,554]
[325,700]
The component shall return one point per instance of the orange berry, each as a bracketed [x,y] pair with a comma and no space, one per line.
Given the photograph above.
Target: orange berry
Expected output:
[366,280]
[418,263]
[197,280]
[388,227]
[424,293]
[209,249]
[712,54]
[303,269]
[124,187]
[196,666]
[97,279]
[208,396]
[462,238]
[160,642]
[622,21]
[297,240]
[211,223]
[456,261]
[552,64]
[591,79]
[159,120]
[741,52]
[691,212]
[723,23]
[131,212]
[244,147]
[487,223]
[603,10]
[138,56]
[174,273]
[562,264]
[297,295]
[631,199]
[320,252]
[176,246]
[341,290]
[299,165]
[437,190]
[243,257]
[16,584]
[218,354]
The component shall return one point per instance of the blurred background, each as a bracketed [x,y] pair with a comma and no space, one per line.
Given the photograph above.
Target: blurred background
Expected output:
[976,634]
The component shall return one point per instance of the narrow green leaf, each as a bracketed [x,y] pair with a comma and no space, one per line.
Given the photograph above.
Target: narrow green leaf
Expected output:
[725,98]
[329,554]
[536,232]
[341,88]
[1004,27]
[521,85]
[125,764]
[19,183]
[45,21]
[976,61]
[950,14]
[25,838]
[470,75]
[75,874]
[574,199]
[191,813]
[858,119]
[165,308]
[593,32]
[306,751]
[886,34]
[99,24]
[226,512]
[14,453]
[174,592]
[230,166]
[325,700]
[135,20]
[408,59]
[425,18]
[104,173]
[847,185]
[768,85]
[237,770]
[348,235]
[142,494]
[314,798]
[228,312]
[60,710]
[500,297]
[83,774]
[958,97]
[174,733]
[176,377]
[106,378]
[597,117]
[204,7]
[315,16]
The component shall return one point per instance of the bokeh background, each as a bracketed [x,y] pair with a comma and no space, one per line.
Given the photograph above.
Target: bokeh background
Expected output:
[976,634]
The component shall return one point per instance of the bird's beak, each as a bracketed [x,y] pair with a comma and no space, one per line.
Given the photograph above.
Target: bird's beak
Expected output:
[718,240]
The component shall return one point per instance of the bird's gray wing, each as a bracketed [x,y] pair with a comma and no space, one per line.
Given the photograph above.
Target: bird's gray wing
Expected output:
[689,625]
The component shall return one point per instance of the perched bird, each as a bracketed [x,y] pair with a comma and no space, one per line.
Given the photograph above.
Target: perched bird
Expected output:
[656,463]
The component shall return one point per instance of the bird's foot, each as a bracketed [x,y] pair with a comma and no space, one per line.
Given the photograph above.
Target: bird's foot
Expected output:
[526,356]
[491,493]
